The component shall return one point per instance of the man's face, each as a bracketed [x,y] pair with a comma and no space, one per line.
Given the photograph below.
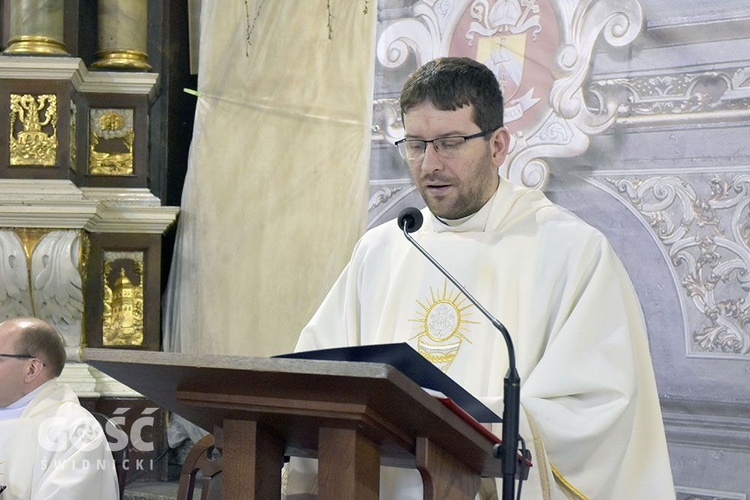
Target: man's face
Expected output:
[12,370]
[454,187]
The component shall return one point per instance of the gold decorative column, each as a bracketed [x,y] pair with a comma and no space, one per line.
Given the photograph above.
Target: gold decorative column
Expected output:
[36,28]
[123,35]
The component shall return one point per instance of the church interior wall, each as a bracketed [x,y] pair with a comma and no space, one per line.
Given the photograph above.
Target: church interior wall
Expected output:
[682,93]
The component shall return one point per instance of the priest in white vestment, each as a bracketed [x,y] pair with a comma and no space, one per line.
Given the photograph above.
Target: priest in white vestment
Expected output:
[50,446]
[590,412]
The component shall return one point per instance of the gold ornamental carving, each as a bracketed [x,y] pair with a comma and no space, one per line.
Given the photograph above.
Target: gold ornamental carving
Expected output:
[111,142]
[122,315]
[29,239]
[33,130]
[73,146]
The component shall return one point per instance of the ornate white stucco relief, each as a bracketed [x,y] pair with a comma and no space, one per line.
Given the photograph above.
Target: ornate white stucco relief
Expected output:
[702,224]
[541,51]
[715,94]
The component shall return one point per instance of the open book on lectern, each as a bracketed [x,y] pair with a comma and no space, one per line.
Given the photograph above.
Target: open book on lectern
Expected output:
[412,364]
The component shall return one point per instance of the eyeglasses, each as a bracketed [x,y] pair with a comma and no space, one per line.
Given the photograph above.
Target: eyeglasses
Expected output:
[21,356]
[17,356]
[446,147]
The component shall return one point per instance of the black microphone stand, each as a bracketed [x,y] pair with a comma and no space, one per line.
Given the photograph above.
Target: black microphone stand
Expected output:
[508,450]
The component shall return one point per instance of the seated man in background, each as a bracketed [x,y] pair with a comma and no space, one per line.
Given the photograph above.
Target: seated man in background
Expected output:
[50,446]
[589,408]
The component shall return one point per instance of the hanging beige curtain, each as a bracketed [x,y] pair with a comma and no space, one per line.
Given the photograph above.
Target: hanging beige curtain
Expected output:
[276,191]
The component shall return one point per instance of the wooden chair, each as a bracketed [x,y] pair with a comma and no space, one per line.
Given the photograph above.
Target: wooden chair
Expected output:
[201,459]
[121,456]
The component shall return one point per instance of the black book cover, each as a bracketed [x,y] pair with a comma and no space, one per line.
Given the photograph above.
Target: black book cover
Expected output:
[412,364]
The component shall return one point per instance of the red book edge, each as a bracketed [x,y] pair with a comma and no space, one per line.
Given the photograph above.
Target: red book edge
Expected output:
[484,431]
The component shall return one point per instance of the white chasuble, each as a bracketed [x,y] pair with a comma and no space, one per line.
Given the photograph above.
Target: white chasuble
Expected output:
[55,450]
[590,413]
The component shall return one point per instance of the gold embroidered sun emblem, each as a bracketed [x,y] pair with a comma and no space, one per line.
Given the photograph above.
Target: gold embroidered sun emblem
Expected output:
[441,324]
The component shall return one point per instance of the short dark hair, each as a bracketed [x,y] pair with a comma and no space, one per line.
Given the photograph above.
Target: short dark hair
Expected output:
[37,338]
[450,83]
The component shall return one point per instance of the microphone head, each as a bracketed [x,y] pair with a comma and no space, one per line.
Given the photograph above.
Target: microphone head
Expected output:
[410,219]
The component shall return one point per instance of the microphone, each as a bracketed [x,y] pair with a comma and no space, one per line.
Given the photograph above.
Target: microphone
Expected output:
[409,220]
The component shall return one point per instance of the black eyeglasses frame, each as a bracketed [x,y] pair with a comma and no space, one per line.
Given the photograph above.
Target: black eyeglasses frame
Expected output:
[17,356]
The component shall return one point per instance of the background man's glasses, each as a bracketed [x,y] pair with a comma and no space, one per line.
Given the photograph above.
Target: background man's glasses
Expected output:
[446,147]
[17,356]
[21,356]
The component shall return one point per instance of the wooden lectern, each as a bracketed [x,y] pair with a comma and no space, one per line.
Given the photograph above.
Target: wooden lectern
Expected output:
[352,416]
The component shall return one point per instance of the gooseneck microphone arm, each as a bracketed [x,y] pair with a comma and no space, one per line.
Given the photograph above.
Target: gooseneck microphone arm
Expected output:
[409,220]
